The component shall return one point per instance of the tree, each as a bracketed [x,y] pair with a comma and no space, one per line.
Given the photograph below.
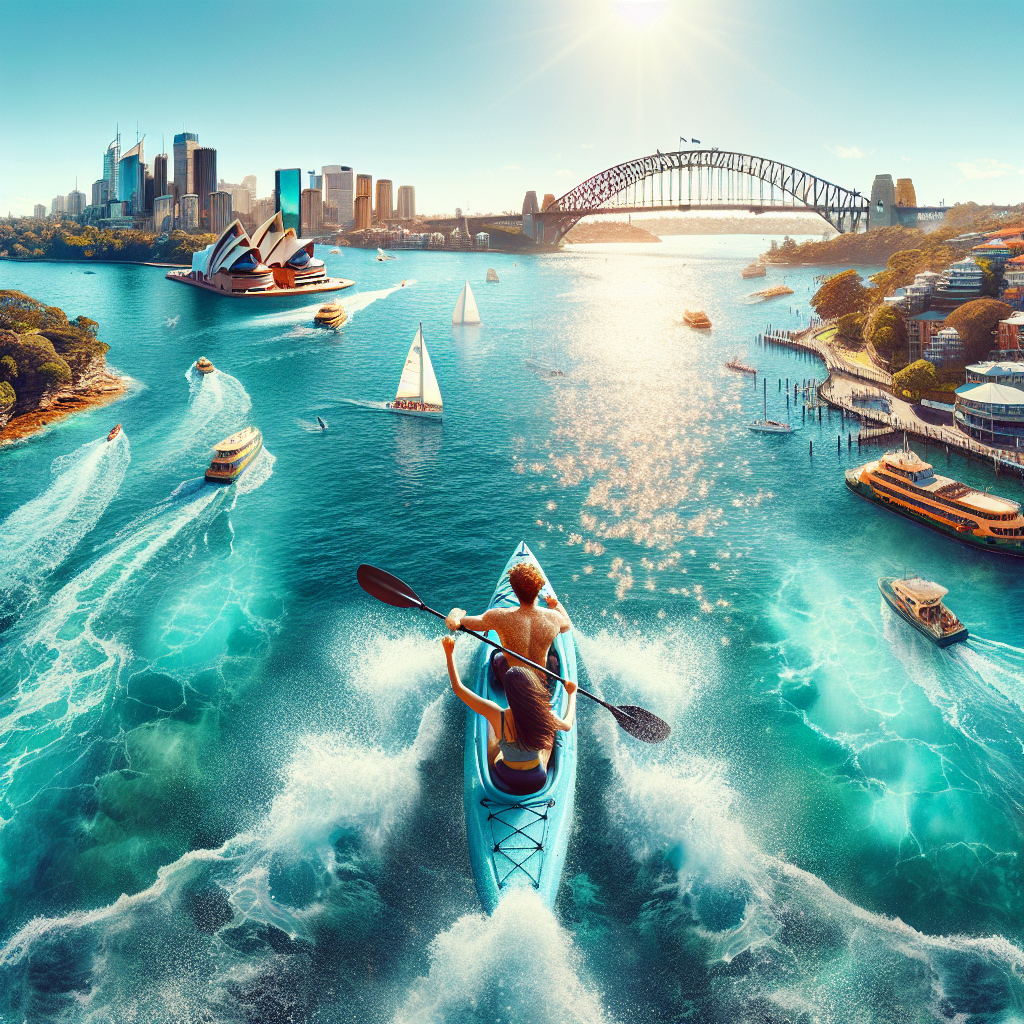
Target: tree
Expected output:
[55,374]
[886,331]
[976,322]
[915,378]
[841,294]
[849,326]
[8,368]
[7,396]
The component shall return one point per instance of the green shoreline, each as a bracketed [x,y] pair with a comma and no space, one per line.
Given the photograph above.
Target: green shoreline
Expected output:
[127,263]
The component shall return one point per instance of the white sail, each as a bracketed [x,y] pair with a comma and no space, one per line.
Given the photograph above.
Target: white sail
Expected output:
[418,383]
[465,309]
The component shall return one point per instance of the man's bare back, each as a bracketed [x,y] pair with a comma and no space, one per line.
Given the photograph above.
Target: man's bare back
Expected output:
[527,630]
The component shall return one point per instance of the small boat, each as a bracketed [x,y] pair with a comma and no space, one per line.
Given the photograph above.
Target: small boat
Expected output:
[382,256]
[518,842]
[735,364]
[203,365]
[754,270]
[331,315]
[334,252]
[919,602]
[492,275]
[233,455]
[772,293]
[323,426]
[696,319]
[541,368]
[767,426]
[418,393]
[114,432]
[466,312]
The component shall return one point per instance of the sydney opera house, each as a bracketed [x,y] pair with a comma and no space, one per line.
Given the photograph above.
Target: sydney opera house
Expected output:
[272,262]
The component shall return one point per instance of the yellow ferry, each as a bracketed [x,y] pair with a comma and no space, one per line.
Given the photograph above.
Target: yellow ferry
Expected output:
[696,319]
[906,484]
[233,455]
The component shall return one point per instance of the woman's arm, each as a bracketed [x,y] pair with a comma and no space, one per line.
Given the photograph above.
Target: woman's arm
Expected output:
[565,724]
[479,704]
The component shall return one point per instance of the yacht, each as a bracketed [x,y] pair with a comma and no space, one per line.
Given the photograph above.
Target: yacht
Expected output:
[233,455]
[418,393]
[203,365]
[919,602]
[905,484]
[767,426]
[696,319]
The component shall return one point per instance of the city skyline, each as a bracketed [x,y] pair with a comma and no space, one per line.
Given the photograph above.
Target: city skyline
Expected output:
[542,96]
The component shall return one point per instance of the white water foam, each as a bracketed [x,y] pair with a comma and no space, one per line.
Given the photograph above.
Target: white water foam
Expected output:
[38,536]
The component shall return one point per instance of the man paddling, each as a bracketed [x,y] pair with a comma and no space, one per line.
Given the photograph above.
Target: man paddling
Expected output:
[527,630]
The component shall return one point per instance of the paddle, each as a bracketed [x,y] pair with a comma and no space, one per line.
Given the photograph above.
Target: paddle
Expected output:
[638,722]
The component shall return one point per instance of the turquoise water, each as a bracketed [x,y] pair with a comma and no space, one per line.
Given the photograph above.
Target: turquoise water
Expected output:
[231,783]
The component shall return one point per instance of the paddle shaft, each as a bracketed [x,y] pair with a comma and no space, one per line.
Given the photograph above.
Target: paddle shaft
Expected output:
[532,664]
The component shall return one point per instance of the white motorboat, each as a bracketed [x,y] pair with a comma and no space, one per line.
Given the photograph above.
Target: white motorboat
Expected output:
[418,393]
[767,426]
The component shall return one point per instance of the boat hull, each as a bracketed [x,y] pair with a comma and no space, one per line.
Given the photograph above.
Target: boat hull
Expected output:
[518,841]
[885,586]
[759,428]
[423,415]
[989,544]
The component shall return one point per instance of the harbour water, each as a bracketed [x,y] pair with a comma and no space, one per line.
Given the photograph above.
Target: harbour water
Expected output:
[230,783]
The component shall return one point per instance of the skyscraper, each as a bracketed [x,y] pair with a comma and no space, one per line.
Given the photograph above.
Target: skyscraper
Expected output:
[220,211]
[316,180]
[339,191]
[160,175]
[188,215]
[363,213]
[39,212]
[249,183]
[185,144]
[100,192]
[287,189]
[311,211]
[204,177]
[364,185]
[131,178]
[150,191]
[406,202]
[75,203]
[110,159]
[57,204]
[163,213]
[385,209]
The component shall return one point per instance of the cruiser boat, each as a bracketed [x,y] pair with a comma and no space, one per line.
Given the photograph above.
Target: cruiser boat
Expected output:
[466,313]
[203,365]
[518,842]
[233,455]
[919,602]
[905,484]
[754,270]
[418,393]
[772,293]
[331,315]
[114,432]
[696,319]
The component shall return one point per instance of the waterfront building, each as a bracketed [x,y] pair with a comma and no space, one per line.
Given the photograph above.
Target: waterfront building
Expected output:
[921,328]
[185,144]
[1009,372]
[995,249]
[482,240]
[100,192]
[339,192]
[204,176]
[362,213]
[287,194]
[39,211]
[311,211]
[384,206]
[220,211]
[160,175]
[1013,283]
[905,194]
[993,413]
[944,347]
[1010,339]
[131,178]
[881,209]
[163,214]
[406,202]
[188,213]
[962,282]
[110,161]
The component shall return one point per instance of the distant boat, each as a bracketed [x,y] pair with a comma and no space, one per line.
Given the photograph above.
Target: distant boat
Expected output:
[767,426]
[331,315]
[334,252]
[114,432]
[323,426]
[754,270]
[233,455]
[772,293]
[203,365]
[541,368]
[418,393]
[466,312]
[492,275]
[382,256]
[735,364]
[696,319]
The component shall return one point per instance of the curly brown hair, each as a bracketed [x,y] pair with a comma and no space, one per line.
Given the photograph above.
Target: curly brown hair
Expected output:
[526,580]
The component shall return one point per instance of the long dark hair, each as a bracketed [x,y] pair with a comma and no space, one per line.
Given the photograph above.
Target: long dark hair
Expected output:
[530,703]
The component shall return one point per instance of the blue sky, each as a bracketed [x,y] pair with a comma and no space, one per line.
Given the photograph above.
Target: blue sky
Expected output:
[476,102]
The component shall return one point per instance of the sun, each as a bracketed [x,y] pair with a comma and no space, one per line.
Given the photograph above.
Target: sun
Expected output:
[641,14]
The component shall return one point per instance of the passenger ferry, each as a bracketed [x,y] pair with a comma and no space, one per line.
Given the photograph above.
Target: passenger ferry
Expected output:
[906,484]
[696,319]
[233,455]
[919,602]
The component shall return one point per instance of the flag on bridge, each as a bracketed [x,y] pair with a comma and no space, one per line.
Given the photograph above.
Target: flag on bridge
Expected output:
[696,142]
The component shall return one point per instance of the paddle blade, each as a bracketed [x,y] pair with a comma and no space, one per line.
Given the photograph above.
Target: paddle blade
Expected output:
[387,588]
[641,724]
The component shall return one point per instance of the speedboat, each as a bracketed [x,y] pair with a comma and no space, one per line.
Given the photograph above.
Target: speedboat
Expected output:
[418,392]
[114,432]
[696,319]
[233,455]
[919,602]
[382,255]
[334,252]
[518,842]
[203,365]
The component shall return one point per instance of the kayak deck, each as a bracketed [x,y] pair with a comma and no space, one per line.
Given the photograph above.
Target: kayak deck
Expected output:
[518,841]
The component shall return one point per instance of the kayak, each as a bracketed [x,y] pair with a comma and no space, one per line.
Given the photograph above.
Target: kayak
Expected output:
[518,841]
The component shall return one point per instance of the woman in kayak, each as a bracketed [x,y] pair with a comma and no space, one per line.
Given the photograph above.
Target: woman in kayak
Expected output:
[520,738]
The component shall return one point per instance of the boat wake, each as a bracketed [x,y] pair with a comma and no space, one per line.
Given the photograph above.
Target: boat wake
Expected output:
[357,303]
[41,534]
[261,470]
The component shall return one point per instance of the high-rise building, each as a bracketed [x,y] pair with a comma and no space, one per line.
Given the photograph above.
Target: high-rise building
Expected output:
[110,161]
[163,214]
[160,175]
[316,180]
[287,192]
[220,211]
[406,202]
[75,203]
[363,213]
[339,192]
[311,211]
[39,212]
[204,177]
[57,204]
[241,199]
[100,192]
[185,145]
[364,185]
[131,178]
[188,212]
[150,191]
[384,206]
[263,210]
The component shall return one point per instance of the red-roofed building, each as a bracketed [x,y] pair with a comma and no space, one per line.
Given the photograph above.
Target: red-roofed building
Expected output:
[994,249]
[1009,234]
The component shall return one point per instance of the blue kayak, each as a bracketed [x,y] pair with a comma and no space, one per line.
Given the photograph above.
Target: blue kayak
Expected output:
[518,841]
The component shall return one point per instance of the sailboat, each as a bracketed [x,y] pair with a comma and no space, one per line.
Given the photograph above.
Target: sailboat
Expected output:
[418,393]
[767,426]
[465,309]
[543,369]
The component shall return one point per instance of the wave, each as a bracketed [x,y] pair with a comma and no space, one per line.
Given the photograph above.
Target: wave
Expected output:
[41,534]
